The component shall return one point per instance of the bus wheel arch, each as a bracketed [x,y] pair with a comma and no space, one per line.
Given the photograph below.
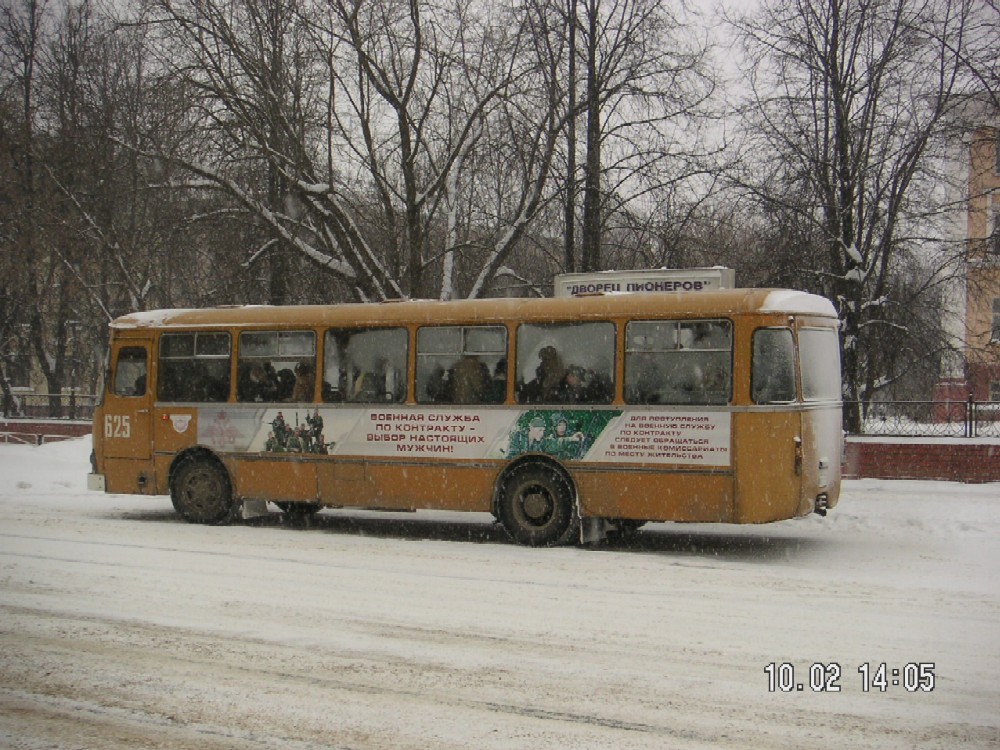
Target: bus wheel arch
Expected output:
[201,489]
[535,502]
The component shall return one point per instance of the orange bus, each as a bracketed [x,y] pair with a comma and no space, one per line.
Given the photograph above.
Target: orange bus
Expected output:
[565,417]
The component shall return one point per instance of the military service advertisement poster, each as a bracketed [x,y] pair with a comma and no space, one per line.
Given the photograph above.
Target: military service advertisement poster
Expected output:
[696,438]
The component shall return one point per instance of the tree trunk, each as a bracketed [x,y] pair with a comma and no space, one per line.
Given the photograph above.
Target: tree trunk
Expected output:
[569,241]
[591,260]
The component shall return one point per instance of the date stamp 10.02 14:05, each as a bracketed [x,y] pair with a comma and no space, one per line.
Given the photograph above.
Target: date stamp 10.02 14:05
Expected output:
[827,677]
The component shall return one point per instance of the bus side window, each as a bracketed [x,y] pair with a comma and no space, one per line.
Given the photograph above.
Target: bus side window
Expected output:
[819,363]
[365,365]
[461,364]
[565,363]
[678,362]
[194,367]
[276,366]
[772,378]
[130,372]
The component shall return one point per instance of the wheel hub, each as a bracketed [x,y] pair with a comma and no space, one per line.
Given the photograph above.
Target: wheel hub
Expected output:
[536,505]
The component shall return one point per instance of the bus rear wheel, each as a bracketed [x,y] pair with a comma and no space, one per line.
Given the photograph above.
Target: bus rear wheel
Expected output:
[201,492]
[536,506]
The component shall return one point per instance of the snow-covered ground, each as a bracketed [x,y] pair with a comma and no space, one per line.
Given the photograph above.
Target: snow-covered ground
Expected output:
[123,627]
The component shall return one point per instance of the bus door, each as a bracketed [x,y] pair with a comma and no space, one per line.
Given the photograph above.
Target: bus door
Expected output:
[126,429]
[768,435]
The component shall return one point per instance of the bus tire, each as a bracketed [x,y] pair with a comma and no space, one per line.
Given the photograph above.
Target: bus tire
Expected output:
[201,492]
[536,506]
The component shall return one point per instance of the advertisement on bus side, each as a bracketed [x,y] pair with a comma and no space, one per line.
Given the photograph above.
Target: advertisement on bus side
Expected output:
[691,438]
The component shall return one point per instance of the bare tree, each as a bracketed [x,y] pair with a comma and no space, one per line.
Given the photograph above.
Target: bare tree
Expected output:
[425,92]
[647,87]
[362,115]
[977,46]
[20,40]
[38,286]
[846,100]
[85,237]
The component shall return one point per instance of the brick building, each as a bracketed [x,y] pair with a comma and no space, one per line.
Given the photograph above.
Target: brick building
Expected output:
[982,316]
[975,299]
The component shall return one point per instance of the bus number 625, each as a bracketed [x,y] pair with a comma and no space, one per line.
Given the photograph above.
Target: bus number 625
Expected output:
[117,426]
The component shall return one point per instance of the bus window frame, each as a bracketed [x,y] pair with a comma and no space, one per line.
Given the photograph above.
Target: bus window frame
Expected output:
[803,369]
[279,355]
[194,357]
[685,352]
[489,396]
[113,383]
[350,398]
[534,354]
[794,370]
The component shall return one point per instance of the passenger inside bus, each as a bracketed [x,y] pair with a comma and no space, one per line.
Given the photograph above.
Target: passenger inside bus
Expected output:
[498,383]
[549,378]
[585,386]
[368,386]
[257,382]
[556,383]
[286,384]
[305,382]
[469,380]
[210,385]
[130,374]
[685,382]
[664,379]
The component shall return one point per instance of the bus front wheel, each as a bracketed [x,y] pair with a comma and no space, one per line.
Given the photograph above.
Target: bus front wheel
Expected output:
[201,492]
[536,506]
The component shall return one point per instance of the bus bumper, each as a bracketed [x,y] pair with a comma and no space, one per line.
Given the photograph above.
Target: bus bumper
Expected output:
[95,482]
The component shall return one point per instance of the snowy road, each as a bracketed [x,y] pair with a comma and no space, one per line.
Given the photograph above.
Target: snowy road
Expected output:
[122,627]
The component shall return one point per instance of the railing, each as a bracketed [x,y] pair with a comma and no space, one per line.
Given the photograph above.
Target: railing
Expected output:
[69,405]
[933,419]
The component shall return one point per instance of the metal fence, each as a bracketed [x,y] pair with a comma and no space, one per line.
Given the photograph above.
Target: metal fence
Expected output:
[933,419]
